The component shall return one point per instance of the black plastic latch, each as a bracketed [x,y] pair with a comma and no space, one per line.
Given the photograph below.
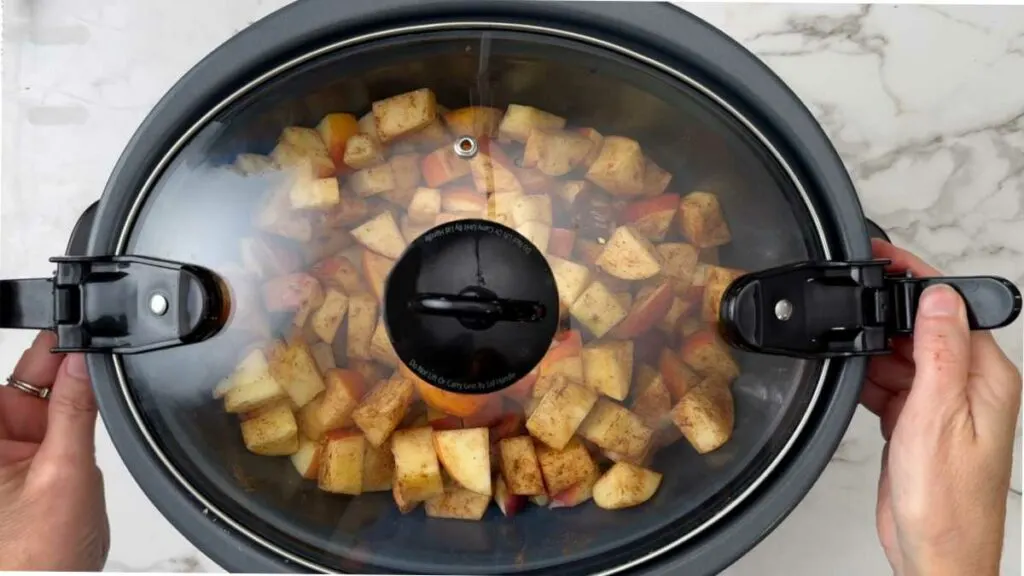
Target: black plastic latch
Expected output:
[117,304]
[836,309]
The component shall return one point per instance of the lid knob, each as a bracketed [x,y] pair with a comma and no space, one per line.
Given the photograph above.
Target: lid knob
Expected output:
[471,306]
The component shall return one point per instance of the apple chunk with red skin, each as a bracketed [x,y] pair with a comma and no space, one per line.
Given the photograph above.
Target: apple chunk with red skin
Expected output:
[509,504]
[649,307]
[652,217]
[465,455]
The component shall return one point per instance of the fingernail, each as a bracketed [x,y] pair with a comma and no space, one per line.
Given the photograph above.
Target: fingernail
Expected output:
[75,366]
[939,301]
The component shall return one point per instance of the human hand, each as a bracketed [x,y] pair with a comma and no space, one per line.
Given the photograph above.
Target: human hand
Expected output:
[948,401]
[52,511]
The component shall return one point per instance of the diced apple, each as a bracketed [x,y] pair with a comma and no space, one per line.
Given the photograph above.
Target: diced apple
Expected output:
[252,385]
[619,167]
[561,242]
[566,467]
[689,326]
[509,504]
[678,377]
[370,371]
[382,409]
[425,205]
[570,278]
[491,177]
[442,166]
[363,152]
[381,234]
[406,170]
[460,199]
[341,467]
[404,114]
[656,179]
[625,485]
[680,264]
[597,309]
[629,256]
[362,320]
[706,415]
[718,280]
[652,400]
[430,136]
[440,421]
[560,413]
[608,367]
[651,306]
[614,428]
[307,459]
[298,145]
[271,432]
[475,121]
[465,455]
[340,272]
[707,354]
[576,494]
[597,141]
[378,468]
[538,233]
[328,317]
[417,471]
[371,181]
[701,220]
[376,269]
[297,373]
[555,152]
[520,120]
[519,466]
[652,217]
[289,293]
[588,251]
[457,503]
[568,191]
[253,164]
[411,231]
[335,131]
[670,321]
[381,348]
[532,208]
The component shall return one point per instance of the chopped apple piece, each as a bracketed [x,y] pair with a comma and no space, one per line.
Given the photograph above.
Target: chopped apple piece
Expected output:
[404,114]
[680,264]
[619,167]
[362,151]
[562,242]
[656,179]
[717,281]
[568,191]
[709,355]
[491,177]
[519,466]
[678,377]
[411,231]
[370,371]
[381,234]
[425,205]
[629,256]
[381,348]
[520,120]
[253,164]
[376,269]
[252,385]
[430,136]
[289,293]
[440,421]
[651,306]
[307,459]
[570,278]
[328,317]
[706,415]
[461,199]
[465,455]
[576,494]
[475,121]
[608,367]
[652,400]
[341,466]
[382,409]
[670,321]
[566,467]
[532,208]
[378,468]
[597,141]
[625,485]
[406,170]
[555,152]
[297,373]
[271,432]
[340,272]
[362,320]
[560,413]
[701,220]
[614,428]
[299,146]
[442,166]
[457,503]
[509,504]
[335,131]
[370,181]
[597,309]
[417,472]
[652,217]
[538,233]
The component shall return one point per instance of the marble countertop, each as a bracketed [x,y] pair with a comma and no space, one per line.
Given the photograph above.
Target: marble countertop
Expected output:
[924,103]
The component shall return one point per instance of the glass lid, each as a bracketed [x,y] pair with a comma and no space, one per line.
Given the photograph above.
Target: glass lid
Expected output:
[475,280]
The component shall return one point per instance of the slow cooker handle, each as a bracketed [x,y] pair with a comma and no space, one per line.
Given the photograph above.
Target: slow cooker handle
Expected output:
[117,304]
[836,309]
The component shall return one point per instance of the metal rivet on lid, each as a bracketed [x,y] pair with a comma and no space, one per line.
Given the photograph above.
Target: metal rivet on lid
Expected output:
[466,147]
[158,304]
[783,310]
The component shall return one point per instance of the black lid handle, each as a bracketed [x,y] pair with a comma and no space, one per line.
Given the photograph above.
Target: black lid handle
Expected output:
[477,308]
[836,309]
[117,304]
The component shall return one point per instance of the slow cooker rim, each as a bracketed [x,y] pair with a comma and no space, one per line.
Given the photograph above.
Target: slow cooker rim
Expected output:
[105,230]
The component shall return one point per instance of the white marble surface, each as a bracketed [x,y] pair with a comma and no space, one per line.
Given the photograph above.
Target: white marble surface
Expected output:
[925,104]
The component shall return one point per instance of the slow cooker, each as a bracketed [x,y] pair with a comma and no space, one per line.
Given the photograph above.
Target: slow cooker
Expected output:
[440,286]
